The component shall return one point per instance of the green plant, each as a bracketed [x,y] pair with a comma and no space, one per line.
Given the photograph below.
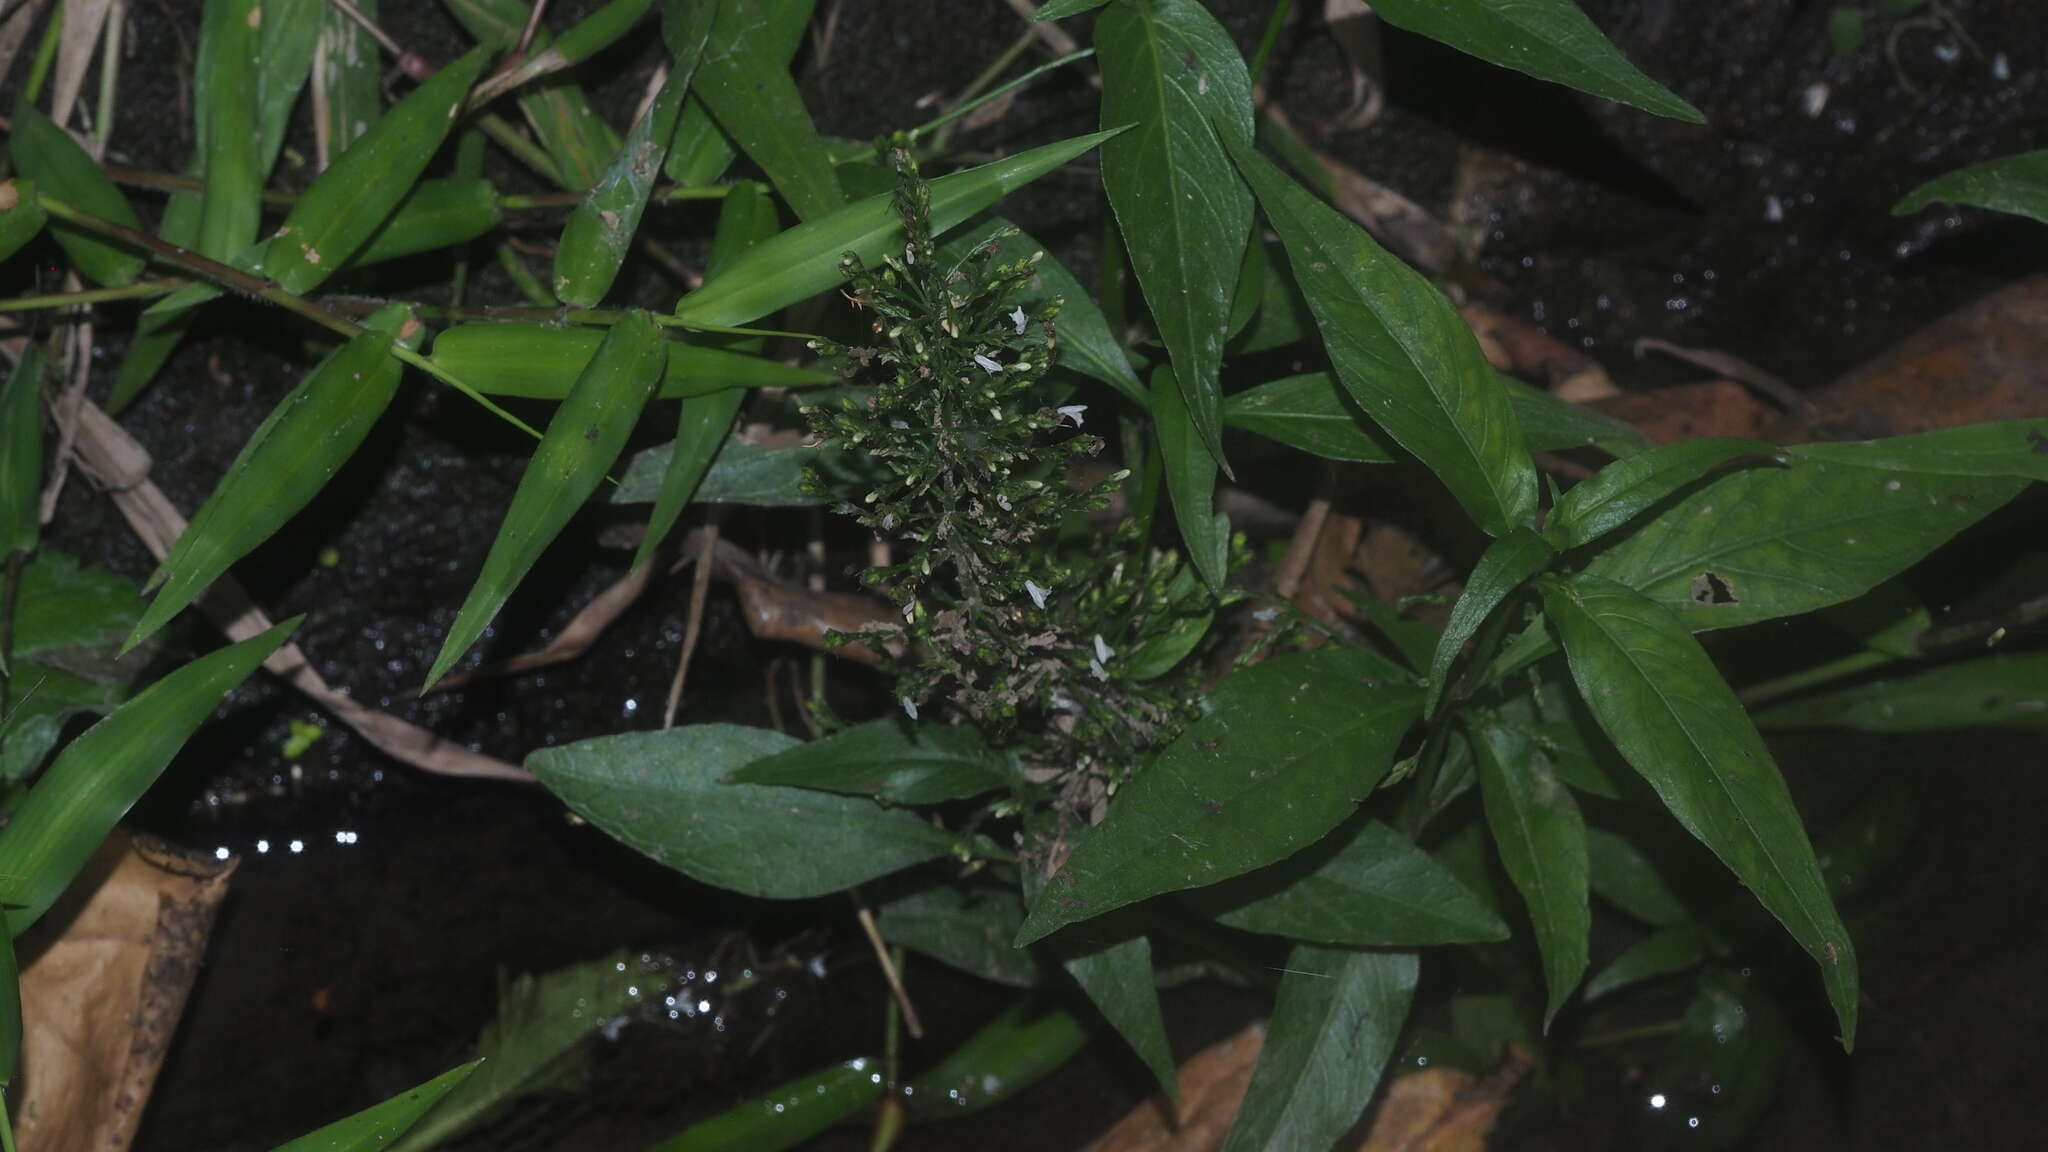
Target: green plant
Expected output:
[1090,773]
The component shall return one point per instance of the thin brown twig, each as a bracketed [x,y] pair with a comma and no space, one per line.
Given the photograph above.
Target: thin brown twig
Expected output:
[911,1023]
[700,589]
[532,26]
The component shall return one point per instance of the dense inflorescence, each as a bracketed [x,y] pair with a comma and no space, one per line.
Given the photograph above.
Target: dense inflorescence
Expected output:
[1019,616]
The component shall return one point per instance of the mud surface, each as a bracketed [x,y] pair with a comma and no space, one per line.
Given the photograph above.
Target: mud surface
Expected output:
[366,958]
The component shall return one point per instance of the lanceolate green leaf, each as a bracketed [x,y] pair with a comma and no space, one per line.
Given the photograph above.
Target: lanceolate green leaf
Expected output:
[21,215]
[540,1018]
[1335,1023]
[2017,449]
[1086,344]
[1542,842]
[702,151]
[2017,184]
[373,1129]
[1171,70]
[225,99]
[966,925]
[1118,979]
[21,454]
[347,203]
[1402,352]
[1508,563]
[744,79]
[1992,692]
[1310,412]
[1287,749]
[294,453]
[542,362]
[584,438]
[1553,425]
[891,760]
[1627,879]
[660,793]
[746,218]
[98,776]
[62,170]
[1661,953]
[1548,39]
[1767,542]
[1190,481]
[1364,886]
[804,260]
[1628,488]
[1673,718]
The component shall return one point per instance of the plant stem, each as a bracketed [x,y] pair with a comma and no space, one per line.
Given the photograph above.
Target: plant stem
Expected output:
[139,290]
[523,278]
[46,55]
[1628,1035]
[240,281]
[1819,674]
[1274,24]
[6,1125]
[110,74]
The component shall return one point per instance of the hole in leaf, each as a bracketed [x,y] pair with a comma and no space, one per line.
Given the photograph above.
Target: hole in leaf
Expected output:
[1713,588]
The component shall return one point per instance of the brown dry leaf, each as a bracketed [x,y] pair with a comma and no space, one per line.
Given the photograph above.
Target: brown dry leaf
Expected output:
[576,636]
[103,988]
[1714,408]
[1985,361]
[1443,1109]
[121,466]
[1434,1110]
[79,41]
[1515,345]
[14,30]
[1357,31]
[1401,224]
[1211,1085]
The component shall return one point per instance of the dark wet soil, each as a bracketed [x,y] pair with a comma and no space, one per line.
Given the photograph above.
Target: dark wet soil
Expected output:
[367,958]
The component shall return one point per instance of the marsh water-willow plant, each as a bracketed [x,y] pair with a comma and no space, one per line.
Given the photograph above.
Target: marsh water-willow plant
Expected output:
[1108,757]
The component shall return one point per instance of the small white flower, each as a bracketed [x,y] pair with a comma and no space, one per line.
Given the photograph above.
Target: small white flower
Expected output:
[1103,651]
[987,365]
[1038,594]
[1266,615]
[910,707]
[1100,672]
[1073,412]
[1019,319]
[910,253]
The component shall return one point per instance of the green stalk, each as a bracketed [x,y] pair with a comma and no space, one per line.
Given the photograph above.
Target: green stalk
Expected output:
[528,284]
[1271,37]
[237,280]
[1817,675]
[46,55]
[110,73]
[136,291]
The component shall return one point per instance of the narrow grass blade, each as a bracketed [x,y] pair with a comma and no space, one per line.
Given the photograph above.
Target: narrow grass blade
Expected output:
[347,98]
[541,1018]
[61,169]
[21,454]
[575,137]
[753,97]
[359,191]
[225,102]
[376,1127]
[289,37]
[100,775]
[786,1115]
[805,260]
[437,214]
[746,219]
[21,216]
[591,35]
[157,334]
[542,362]
[299,447]
[600,231]
[582,442]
